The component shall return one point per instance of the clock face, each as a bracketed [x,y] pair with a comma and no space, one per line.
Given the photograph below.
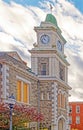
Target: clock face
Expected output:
[45,39]
[59,45]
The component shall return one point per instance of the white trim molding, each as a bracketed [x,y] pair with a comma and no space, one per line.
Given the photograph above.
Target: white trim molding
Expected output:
[27,82]
[5,81]
[23,79]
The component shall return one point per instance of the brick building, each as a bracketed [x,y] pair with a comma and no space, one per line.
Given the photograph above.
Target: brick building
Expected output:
[45,85]
[76,115]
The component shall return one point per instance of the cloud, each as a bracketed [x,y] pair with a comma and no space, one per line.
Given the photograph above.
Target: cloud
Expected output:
[22,52]
[17,27]
[17,33]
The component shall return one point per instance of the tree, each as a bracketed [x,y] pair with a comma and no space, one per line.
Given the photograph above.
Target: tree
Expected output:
[21,114]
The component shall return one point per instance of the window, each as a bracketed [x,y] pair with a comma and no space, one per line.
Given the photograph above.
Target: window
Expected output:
[43,68]
[70,119]
[77,120]
[0,68]
[62,100]
[59,99]
[59,45]
[22,92]
[42,95]
[48,96]
[25,92]
[70,109]
[61,71]
[18,90]
[77,109]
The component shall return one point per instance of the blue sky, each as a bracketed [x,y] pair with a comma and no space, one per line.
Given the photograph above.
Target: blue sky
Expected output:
[25,2]
[77,3]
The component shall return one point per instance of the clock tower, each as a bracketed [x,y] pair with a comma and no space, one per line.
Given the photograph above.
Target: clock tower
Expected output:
[49,63]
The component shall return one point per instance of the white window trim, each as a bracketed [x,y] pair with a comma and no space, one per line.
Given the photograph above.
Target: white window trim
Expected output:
[27,82]
[48,95]
[42,96]
[77,119]
[22,79]
[76,109]
[70,119]
[69,109]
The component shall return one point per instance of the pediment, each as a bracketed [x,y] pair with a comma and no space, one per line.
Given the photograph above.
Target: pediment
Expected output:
[15,55]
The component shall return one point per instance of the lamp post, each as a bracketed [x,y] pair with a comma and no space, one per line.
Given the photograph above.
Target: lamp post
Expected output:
[11,105]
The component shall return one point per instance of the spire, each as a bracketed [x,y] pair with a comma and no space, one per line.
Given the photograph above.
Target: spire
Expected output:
[51,7]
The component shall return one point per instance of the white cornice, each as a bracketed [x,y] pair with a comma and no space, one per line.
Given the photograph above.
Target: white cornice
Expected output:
[45,78]
[23,79]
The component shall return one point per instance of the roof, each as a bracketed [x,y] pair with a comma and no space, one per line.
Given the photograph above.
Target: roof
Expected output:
[50,18]
[76,102]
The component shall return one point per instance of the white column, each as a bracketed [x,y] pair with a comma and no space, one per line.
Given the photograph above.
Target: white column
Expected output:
[5,81]
[34,65]
[56,68]
[66,75]
[50,66]
[53,66]
[28,91]
[22,91]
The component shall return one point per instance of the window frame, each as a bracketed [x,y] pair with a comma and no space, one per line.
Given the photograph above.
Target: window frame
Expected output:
[42,95]
[70,108]
[77,109]
[26,82]
[70,119]
[77,119]
[48,95]
[43,68]
[61,71]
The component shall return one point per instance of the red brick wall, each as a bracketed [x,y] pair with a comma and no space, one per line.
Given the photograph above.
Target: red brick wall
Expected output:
[74,114]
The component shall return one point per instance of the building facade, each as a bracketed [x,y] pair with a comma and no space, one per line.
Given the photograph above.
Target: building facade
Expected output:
[76,115]
[49,63]
[45,85]
[17,78]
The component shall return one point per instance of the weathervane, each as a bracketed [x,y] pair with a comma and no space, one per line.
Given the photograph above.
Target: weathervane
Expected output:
[51,7]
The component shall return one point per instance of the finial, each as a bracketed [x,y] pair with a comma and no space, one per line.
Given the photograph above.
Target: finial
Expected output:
[51,7]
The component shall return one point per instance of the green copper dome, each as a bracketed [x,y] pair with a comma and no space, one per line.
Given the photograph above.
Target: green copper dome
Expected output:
[50,18]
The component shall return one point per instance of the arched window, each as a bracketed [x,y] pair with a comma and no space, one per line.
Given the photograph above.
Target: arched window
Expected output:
[63,100]
[59,100]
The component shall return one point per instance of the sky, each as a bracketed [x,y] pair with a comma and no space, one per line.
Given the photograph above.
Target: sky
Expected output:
[17,21]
